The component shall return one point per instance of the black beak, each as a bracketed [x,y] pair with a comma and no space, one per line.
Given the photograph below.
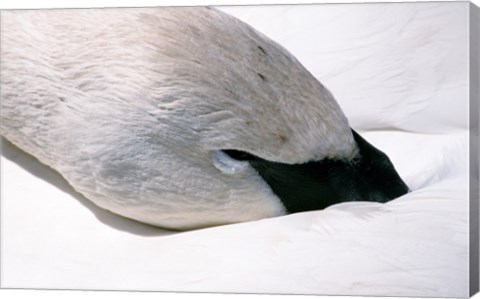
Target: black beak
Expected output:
[370,176]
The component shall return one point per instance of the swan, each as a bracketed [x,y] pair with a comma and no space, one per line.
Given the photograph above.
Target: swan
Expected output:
[180,117]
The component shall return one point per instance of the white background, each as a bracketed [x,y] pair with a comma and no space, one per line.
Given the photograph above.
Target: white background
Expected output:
[130,3]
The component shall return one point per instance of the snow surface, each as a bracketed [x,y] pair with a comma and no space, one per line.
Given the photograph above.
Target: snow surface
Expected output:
[400,72]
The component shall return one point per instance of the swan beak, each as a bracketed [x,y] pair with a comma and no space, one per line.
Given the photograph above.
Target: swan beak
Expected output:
[315,185]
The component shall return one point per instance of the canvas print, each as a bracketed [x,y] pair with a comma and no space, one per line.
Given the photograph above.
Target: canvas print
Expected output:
[282,149]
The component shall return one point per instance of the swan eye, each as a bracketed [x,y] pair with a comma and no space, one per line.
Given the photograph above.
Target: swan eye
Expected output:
[230,161]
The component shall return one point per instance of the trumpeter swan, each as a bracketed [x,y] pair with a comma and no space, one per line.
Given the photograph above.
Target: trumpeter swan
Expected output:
[180,117]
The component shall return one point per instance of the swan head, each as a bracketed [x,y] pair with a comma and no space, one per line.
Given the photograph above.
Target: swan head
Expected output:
[242,131]
[187,117]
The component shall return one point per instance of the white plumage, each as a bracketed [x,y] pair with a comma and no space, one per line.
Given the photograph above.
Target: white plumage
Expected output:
[415,246]
[128,106]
